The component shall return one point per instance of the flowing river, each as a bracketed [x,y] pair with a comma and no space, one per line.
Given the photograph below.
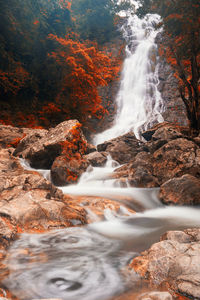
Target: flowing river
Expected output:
[87,263]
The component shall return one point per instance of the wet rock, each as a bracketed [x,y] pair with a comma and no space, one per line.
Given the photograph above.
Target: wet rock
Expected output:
[181,191]
[28,202]
[96,159]
[139,172]
[155,296]
[97,207]
[173,262]
[168,86]
[163,131]
[65,170]
[42,151]
[176,158]
[122,149]
[90,148]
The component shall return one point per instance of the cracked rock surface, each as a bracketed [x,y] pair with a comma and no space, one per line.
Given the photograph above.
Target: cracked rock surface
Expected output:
[173,262]
[30,202]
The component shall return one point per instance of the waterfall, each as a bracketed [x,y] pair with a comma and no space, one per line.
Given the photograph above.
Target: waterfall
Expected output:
[139,103]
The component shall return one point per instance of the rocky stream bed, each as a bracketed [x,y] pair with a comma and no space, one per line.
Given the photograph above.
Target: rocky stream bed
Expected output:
[167,158]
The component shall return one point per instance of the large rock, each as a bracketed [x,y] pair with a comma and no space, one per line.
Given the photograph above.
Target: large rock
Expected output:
[42,151]
[28,202]
[155,296]
[168,86]
[181,191]
[176,158]
[65,170]
[164,131]
[96,159]
[11,136]
[173,263]
[139,172]
[122,149]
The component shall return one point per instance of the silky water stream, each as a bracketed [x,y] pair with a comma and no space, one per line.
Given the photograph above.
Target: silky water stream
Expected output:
[88,263]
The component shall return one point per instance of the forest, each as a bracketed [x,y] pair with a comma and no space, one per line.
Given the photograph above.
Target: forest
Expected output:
[53,59]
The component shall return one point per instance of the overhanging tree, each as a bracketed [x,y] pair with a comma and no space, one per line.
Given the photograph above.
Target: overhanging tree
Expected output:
[181,47]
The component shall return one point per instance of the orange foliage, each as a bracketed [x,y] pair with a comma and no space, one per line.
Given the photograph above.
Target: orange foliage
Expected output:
[84,69]
[65,4]
[16,141]
[14,80]
[181,49]
[36,22]
[73,148]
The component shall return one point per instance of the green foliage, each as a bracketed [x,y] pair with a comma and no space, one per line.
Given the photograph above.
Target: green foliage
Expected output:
[24,27]
[145,8]
[95,19]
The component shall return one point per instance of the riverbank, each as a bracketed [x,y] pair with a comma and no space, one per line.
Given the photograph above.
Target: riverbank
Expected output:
[169,158]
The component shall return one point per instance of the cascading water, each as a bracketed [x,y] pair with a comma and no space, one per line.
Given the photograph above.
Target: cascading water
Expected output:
[139,102]
[86,263]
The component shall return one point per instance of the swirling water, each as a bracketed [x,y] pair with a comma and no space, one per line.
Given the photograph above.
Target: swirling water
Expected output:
[72,263]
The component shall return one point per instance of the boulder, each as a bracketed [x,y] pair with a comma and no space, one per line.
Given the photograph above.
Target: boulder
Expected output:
[11,136]
[176,158]
[28,202]
[138,172]
[65,171]
[164,131]
[173,263]
[96,159]
[122,149]
[42,151]
[181,191]
[155,296]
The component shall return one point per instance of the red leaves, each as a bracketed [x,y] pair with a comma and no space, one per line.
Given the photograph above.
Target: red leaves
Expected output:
[36,22]
[16,141]
[73,149]
[65,4]
[14,80]
[84,68]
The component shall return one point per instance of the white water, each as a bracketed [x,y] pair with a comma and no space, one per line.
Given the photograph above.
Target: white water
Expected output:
[98,181]
[139,102]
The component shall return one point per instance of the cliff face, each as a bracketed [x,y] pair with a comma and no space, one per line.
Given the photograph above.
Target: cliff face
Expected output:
[174,107]
[174,112]
[108,93]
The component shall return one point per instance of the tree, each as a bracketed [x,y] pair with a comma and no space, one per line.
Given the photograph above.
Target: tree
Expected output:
[95,19]
[83,69]
[181,47]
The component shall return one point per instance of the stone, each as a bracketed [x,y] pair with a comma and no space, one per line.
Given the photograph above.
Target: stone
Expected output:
[122,149]
[181,191]
[138,172]
[29,202]
[164,131]
[90,148]
[173,263]
[155,296]
[42,151]
[11,136]
[67,171]
[176,158]
[96,159]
